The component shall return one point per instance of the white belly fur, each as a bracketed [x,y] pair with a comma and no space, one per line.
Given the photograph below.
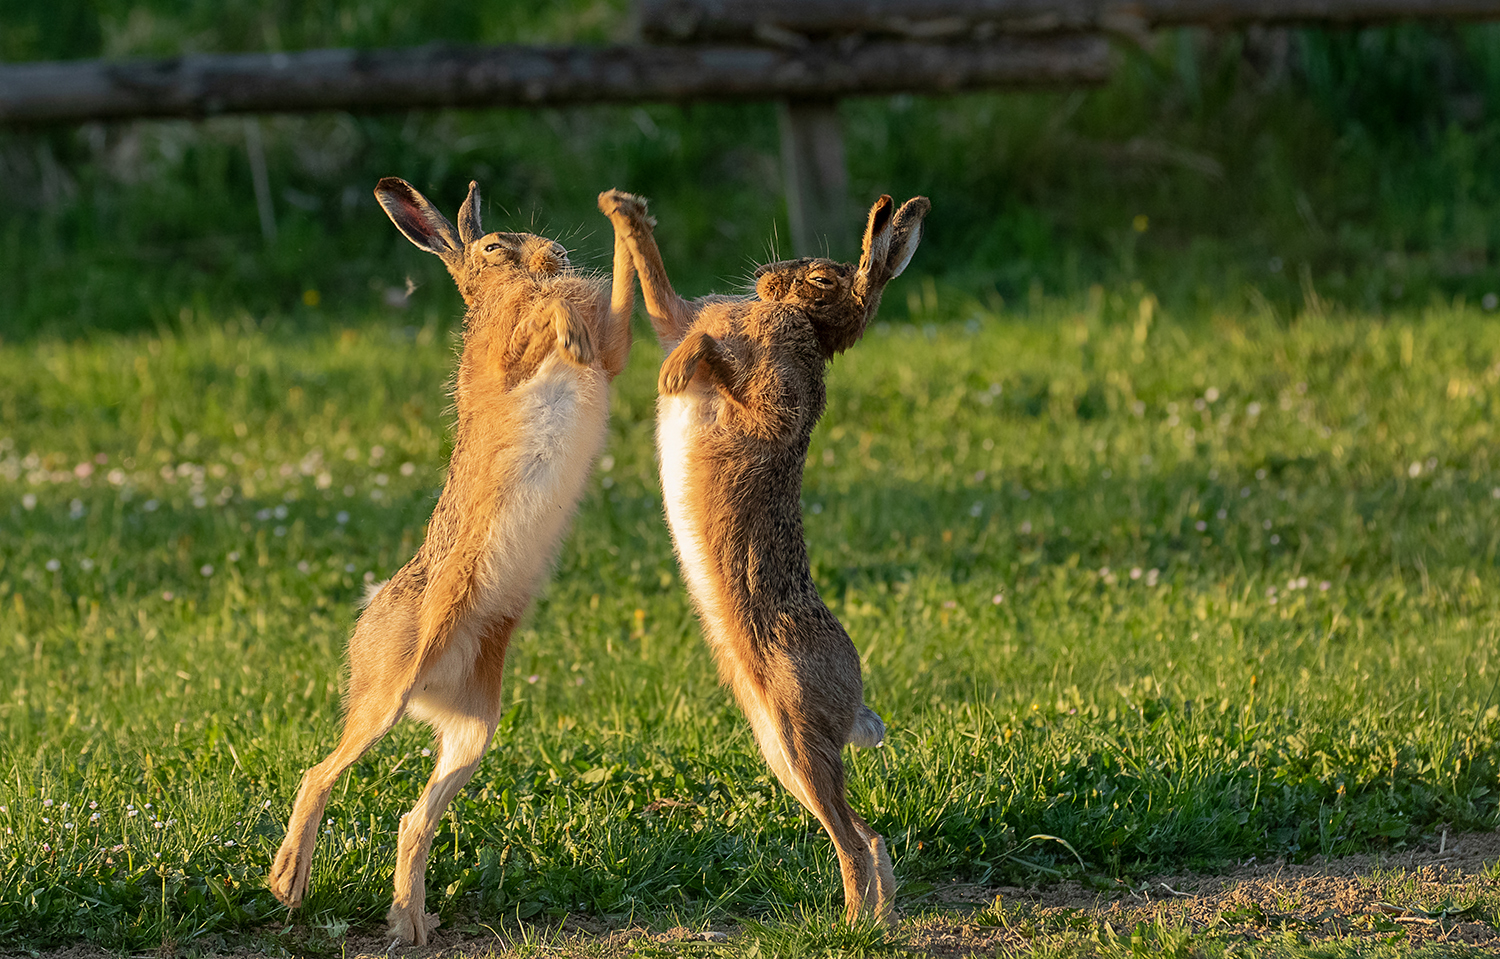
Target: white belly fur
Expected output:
[678,418]
[566,412]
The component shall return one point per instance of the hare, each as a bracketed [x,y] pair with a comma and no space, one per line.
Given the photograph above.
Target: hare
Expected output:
[541,343]
[741,389]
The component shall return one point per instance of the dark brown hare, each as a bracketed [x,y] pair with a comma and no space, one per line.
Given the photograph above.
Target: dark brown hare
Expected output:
[741,390]
[541,344]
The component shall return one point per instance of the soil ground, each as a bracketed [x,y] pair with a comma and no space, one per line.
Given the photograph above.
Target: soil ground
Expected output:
[1447,893]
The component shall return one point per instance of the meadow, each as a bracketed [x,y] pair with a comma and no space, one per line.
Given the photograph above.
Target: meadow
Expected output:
[1132,590]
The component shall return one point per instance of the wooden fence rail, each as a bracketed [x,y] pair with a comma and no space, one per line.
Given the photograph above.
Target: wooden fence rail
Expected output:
[429,77]
[791,22]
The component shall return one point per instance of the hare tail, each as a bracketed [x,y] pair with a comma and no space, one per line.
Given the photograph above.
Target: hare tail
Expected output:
[868,730]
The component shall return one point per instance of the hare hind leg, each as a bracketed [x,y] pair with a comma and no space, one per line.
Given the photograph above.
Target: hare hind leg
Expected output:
[463,716]
[808,763]
[369,718]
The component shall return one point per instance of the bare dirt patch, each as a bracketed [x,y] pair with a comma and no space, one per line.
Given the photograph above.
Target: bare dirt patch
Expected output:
[1447,893]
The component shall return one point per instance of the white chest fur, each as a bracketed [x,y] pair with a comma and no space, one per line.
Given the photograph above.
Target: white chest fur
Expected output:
[566,413]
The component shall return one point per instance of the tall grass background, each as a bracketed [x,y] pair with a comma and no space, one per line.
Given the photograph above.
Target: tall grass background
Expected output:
[1296,165]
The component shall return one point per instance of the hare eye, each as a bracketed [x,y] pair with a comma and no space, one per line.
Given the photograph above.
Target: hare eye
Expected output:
[822,281]
[491,248]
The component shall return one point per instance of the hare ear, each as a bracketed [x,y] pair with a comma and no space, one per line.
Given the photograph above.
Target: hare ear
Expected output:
[469,229]
[906,233]
[418,219]
[876,243]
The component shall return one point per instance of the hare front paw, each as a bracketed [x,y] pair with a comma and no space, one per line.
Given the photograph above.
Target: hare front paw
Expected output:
[573,335]
[614,203]
[678,370]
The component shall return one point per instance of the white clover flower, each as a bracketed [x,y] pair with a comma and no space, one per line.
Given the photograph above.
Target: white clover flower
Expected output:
[341,517]
[206,569]
[53,565]
[1200,526]
[1135,572]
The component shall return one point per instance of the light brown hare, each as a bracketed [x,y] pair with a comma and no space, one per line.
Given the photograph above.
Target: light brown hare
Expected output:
[541,342]
[741,389]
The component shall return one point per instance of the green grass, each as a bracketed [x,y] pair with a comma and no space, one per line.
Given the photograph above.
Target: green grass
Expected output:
[1174,592]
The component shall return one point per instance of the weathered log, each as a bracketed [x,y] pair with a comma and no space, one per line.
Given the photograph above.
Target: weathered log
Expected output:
[788,22]
[426,77]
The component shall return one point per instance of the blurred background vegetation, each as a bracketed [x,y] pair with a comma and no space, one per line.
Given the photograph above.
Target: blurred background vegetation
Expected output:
[1269,169]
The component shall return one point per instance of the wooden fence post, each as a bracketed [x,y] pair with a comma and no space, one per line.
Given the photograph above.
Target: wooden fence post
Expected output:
[815,177]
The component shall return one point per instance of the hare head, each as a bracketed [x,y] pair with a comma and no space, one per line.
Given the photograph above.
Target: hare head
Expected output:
[840,298]
[468,252]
